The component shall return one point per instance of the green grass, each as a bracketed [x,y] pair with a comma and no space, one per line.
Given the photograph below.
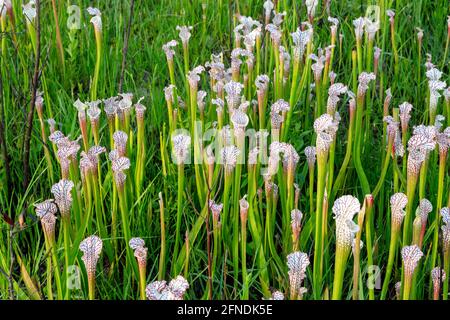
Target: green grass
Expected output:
[146,74]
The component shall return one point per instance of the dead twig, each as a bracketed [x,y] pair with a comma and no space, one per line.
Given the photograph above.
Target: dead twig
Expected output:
[208,248]
[125,45]
[4,147]
[29,127]
[11,265]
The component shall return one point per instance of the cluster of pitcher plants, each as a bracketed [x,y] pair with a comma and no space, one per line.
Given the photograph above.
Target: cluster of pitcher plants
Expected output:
[294,177]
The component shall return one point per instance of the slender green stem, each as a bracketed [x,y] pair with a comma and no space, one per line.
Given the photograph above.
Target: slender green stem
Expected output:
[142,282]
[406,287]
[311,190]
[318,254]
[439,199]
[348,154]
[245,291]
[447,271]
[384,170]
[410,191]
[391,259]
[369,248]
[91,286]
[162,256]
[98,40]
[66,230]
[180,197]
[357,147]
[339,270]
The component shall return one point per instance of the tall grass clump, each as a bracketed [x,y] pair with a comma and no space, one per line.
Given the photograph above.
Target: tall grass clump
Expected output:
[257,150]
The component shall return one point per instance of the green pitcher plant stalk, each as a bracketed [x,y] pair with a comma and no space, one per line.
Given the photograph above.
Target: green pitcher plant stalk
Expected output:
[283,152]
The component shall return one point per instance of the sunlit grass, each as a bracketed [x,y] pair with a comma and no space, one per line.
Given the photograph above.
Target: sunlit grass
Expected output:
[350,119]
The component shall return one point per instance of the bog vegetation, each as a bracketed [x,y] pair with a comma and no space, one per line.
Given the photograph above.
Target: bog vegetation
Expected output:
[225,150]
